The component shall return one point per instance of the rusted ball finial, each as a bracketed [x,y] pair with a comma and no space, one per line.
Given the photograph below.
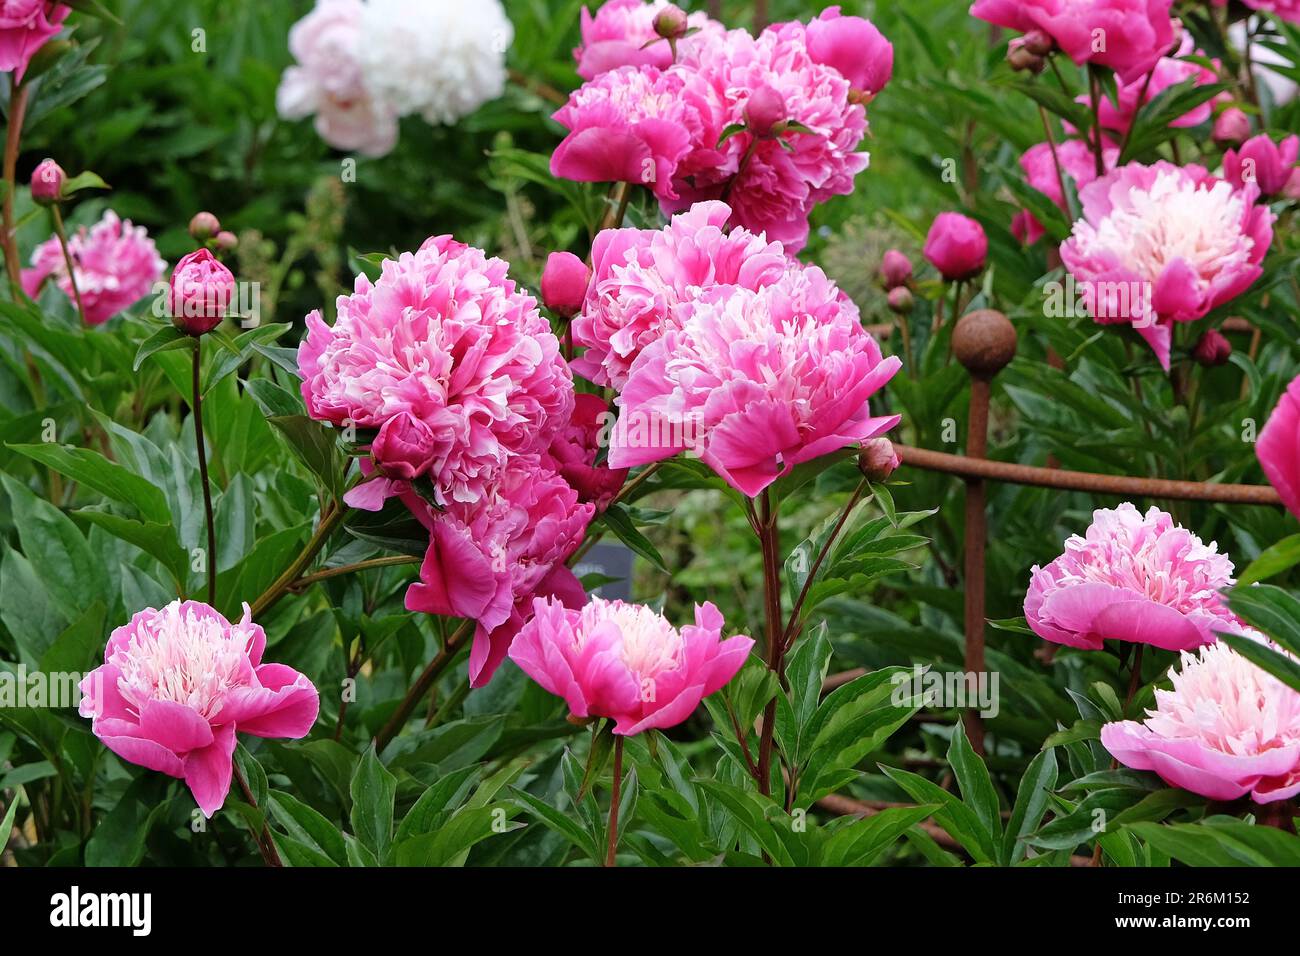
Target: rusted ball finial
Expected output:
[984,341]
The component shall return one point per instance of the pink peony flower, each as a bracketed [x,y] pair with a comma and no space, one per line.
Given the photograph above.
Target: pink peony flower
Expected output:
[25,25]
[1132,577]
[200,292]
[575,449]
[1128,36]
[957,246]
[622,33]
[445,338]
[771,183]
[178,683]
[642,277]
[116,266]
[1286,9]
[1077,164]
[1226,729]
[1169,71]
[1162,244]
[487,556]
[564,283]
[626,662]
[755,382]
[629,125]
[854,47]
[329,81]
[1278,448]
[1262,162]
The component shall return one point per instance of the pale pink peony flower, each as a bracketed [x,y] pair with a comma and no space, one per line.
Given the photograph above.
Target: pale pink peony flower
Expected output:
[1169,71]
[1077,164]
[771,188]
[1132,577]
[1226,729]
[445,338]
[1262,162]
[25,25]
[116,266]
[1161,244]
[643,276]
[755,383]
[625,662]
[1278,448]
[630,125]
[179,682]
[489,557]
[574,451]
[622,33]
[329,81]
[1128,36]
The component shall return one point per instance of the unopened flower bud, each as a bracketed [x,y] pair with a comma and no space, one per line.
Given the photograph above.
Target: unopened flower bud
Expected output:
[204,226]
[1212,349]
[670,23]
[47,182]
[226,241]
[1022,58]
[1232,127]
[1038,42]
[877,459]
[763,110]
[1292,188]
[895,269]
[564,284]
[900,300]
[200,292]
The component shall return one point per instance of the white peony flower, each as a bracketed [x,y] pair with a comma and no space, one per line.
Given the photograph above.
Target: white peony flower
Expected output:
[442,59]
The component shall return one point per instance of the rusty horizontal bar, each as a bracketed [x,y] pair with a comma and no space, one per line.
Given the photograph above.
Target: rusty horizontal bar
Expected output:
[1123,485]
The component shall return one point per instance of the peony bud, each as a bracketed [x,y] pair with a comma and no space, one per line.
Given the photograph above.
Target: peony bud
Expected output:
[1020,57]
[1232,128]
[1292,188]
[204,226]
[764,109]
[564,284]
[895,269]
[956,246]
[226,241]
[877,459]
[200,292]
[404,447]
[1212,349]
[47,182]
[900,300]
[1038,42]
[670,23]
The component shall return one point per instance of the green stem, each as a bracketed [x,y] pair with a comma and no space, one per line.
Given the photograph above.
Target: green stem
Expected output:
[67,260]
[614,801]
[196,409]
[330,520]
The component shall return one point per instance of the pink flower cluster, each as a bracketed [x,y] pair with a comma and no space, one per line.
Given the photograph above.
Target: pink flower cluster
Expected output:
[25,25]
[1077,164]
[114,262]
[1162,244]
[686,129]
[1132,577]
[1117,117]
[1226,729]
[451,365]
[755,382]
[1128,36]
[641,279]
[622,33]
[1259,161]
[178,683]
[626,662]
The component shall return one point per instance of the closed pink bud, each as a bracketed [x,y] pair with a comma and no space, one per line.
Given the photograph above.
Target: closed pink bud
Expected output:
[200,293]
[900,300]
[877,459]
[204,226]
[1020,57]
[1038,42]
[670,23]
[1292,188]
[763,110]
[895,269]
[1232,127]
[47,182]
[404,447]
[564,284]
[956,246]
[226,241]
[1212,348]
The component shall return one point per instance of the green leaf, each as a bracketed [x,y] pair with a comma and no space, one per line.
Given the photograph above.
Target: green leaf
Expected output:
[976,784]
[1272,561]
[167,338]
[1271,610]
[959,820]
[1153,123]
[1282,667]
[862,842]
[73,575]
[314,444]
[95,471]
[82,181]
[559,822]
[618,520]
[1221,844]
[119,837]
[308,827]
[7,824]
[373,791]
